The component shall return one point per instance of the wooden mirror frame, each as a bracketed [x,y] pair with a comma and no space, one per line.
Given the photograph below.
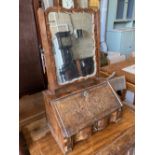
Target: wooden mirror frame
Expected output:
[47,47]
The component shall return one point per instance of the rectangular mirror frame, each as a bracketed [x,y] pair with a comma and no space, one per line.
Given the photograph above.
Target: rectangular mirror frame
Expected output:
[47,46]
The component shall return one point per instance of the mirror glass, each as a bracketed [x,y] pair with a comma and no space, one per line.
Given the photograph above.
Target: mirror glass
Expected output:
[73,45]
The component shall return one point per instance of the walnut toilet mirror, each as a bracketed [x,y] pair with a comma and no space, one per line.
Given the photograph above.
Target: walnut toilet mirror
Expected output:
[78,104]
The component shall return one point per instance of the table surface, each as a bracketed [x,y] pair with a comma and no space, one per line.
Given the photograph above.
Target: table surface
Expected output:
[117,138]
[117,68]
[31,108]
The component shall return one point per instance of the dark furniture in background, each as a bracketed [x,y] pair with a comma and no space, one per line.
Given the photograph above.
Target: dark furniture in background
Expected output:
[23,148]
[31,77]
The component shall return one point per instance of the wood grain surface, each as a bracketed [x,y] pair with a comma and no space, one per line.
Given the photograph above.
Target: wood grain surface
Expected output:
[116,139]
[82,109]
[118,69]
[31,108]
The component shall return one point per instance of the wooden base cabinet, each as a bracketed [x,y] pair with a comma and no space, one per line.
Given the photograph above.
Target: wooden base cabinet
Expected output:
[76,116]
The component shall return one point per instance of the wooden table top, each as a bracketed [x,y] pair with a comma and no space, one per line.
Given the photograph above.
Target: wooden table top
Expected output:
[31,108]
[115,139]
[117,67]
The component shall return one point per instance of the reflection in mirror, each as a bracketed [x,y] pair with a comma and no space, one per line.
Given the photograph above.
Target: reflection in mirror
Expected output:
[73,45]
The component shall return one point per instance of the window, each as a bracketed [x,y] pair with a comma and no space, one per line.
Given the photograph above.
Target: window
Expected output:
[130,9]
[125,9]
[120,9]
